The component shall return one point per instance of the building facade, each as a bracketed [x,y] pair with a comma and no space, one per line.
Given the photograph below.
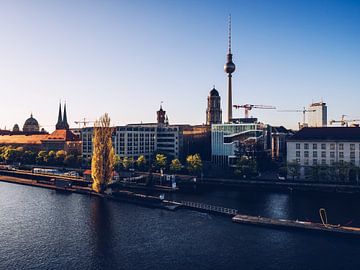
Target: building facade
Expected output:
[135,140]
[326,146]
[213,110]
[317,115]
[33,139]
[227,138]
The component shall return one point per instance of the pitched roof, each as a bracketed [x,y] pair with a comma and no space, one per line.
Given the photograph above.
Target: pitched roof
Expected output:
[327,134]
[22,139]
[62,135]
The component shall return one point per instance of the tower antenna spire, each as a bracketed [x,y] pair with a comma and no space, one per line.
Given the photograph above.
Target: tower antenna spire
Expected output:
[229,46]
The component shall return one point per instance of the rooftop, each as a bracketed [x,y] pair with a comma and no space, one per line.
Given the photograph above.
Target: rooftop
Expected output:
[327,134]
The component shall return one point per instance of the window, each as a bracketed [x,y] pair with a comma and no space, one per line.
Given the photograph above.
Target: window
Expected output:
[297,160]
[314,154]
[352,154]
[314,161]
[298,146]
[323,146]
[323,162]
[352,147]
[297,153]
[341,154]
[306,146]
[332,162]
[341,146]
[306,162]
[332,154]
[352,161]
[332,146]
[314,146]
[306,154]
[323,154]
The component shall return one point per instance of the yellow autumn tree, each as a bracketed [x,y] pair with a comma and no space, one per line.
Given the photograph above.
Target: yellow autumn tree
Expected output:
[103,157]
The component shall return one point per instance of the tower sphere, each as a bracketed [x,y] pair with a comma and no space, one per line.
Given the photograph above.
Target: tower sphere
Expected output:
[229,67]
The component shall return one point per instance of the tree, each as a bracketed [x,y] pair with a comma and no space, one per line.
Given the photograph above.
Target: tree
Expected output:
[41,157]
[126,163]
[51,157]
[117,162]
[293,169]
[13,155]
[175,165]
[141,162]
[29,157]
[70,161]
[60,157]
[194,163]
[160,161]
[102,164]
[246,167]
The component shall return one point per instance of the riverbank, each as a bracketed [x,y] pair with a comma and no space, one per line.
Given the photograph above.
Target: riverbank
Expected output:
[155,202]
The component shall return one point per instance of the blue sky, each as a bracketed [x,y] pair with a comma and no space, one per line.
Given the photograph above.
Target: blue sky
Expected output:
[125,57]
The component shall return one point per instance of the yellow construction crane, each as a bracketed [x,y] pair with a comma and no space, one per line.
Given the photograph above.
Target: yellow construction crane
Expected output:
[344,122]
[84,122]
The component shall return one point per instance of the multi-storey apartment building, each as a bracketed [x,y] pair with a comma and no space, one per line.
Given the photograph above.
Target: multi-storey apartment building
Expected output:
[324,146]
[139,139]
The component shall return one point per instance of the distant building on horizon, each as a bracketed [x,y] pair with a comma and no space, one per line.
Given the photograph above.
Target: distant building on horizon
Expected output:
[317,116]
[33,139]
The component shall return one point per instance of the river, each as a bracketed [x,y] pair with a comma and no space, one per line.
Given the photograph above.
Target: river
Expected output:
[45,229]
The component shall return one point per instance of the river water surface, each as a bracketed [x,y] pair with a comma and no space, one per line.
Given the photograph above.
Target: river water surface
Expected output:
[44,229]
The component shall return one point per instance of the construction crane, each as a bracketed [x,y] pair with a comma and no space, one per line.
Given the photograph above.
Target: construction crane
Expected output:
[84,122]
[343,121]
[303,111]
[249,107]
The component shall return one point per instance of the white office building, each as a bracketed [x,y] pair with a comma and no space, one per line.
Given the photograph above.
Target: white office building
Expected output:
[139,139]
[317,115]
[324,146]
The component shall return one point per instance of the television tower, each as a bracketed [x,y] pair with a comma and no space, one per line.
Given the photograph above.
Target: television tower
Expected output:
[229,68]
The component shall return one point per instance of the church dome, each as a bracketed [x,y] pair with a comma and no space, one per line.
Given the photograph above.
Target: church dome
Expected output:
[16,128]
[31,125]
[214,93]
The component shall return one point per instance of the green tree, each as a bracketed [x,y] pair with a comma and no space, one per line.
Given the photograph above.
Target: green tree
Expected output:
[117,163]
[160,161]
[29,157]
[141,162]
[293,169]
[51,157]
[102,164]
[175,165]
[71,161]
[13,155]
[126,163]
[194,163]
[41,157]
[246,167]
[60,157]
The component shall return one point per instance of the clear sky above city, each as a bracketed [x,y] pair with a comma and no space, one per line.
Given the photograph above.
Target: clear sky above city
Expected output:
[125,57]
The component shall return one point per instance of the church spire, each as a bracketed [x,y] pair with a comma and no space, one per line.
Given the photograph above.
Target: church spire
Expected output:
[65,123]
[60,120]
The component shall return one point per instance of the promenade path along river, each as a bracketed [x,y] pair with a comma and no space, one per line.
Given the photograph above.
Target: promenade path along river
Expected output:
[45,229]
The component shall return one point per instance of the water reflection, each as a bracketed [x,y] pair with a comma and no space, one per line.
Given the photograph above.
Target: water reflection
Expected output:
[102,233]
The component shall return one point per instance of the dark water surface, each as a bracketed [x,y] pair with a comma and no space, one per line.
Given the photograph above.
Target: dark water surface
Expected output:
[43,229]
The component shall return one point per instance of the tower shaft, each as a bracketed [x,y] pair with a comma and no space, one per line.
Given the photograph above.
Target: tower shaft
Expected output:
[229,97]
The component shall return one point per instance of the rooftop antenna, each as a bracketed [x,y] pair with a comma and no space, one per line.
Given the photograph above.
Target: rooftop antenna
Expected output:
[229,34]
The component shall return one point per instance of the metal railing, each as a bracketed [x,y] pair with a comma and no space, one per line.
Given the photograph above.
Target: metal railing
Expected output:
[210,208]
